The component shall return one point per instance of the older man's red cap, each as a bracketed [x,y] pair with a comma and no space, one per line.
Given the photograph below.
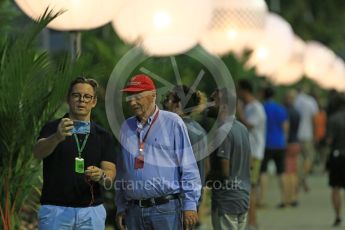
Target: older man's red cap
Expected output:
[139,83]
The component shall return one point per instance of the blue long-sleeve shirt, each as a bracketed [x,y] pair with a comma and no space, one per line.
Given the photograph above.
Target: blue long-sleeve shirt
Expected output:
[169,162]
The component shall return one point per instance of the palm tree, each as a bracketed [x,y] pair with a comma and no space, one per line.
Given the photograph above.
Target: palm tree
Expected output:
[32,88]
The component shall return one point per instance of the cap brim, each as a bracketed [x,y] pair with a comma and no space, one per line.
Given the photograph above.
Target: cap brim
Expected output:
[130,90]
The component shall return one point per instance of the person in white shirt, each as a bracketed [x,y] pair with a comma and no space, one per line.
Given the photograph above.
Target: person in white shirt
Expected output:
[252,114]
[307,107]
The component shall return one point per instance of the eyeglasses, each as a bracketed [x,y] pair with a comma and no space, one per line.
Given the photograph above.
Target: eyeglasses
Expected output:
[86,97]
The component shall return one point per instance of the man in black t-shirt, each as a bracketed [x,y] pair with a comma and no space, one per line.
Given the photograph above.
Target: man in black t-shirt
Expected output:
[336,159]
[78,159]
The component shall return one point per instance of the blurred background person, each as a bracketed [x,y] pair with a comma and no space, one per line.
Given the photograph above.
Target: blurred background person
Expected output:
[332,103]
[336,161]
[320,126]
[252,114]
[292,151]
[230,169]
[307,108]
[277,126]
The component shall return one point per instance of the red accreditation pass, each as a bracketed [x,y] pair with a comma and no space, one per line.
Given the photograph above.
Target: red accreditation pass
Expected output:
[139,162]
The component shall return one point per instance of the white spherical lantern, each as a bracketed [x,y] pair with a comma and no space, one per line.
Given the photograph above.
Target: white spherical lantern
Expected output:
[78,14]
[288,74]
[299,47]
[335,77]
[163,28]
[318,60]
[293,70]
[274,46]
[233,24]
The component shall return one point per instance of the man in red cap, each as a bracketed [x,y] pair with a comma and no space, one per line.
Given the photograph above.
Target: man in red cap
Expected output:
[158,180]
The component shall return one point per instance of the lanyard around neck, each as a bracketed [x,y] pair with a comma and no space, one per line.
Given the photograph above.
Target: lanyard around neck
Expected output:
[142,143]
[80,149]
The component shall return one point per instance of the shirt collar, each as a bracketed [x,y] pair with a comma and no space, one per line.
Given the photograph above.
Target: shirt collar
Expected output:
[149,121]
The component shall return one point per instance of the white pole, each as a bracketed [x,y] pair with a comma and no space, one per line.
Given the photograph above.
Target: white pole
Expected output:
[75,44]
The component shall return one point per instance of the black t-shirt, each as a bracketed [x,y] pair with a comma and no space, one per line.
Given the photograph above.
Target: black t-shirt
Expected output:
[294,120]
[62,186]
[336,130]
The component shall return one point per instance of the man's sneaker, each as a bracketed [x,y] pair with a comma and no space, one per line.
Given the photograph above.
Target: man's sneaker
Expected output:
[281,205]
[337,222]
[294,204]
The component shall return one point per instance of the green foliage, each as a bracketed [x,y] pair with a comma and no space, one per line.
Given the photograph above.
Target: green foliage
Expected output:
[7,15]
[32,88]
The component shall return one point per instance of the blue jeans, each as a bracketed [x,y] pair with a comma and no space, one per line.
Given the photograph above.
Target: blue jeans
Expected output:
[228,221]
[166,216]
[58,217]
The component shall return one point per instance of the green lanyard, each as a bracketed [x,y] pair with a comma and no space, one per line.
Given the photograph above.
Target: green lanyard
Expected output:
[80,150]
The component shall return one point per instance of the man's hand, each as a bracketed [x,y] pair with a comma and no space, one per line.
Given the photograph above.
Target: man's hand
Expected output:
[94,173]
[119,220]
[64,129]
[45,146]
[190,218]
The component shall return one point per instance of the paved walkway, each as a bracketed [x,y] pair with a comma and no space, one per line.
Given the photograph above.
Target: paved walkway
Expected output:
[314,212]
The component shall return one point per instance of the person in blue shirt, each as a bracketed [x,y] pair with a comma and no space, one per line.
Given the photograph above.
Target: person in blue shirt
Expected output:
[277,126]
[158,183]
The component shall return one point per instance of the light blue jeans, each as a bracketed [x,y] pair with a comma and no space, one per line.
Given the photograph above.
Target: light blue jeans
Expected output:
[166,216]
[51,217]
[228,221]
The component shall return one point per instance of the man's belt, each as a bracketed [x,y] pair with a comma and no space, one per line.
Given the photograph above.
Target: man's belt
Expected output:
[150,202]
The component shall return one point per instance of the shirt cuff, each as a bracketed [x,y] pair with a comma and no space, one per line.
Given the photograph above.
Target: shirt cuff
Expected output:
[189,205]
